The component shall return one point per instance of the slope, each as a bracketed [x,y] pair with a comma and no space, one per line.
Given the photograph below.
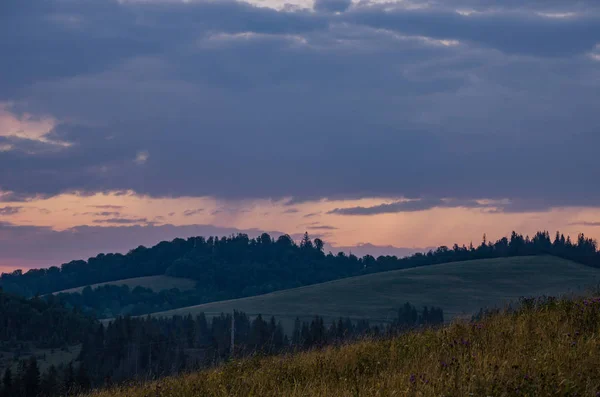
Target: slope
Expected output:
[155,283]
[546,349]
[459,288]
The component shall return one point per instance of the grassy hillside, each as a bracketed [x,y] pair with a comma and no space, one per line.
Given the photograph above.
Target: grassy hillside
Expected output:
[459,288]
[155,283]
[552,349]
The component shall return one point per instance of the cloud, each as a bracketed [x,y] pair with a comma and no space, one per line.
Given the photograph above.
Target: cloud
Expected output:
[192,212]
[103,213]
[9,210]
[509,31]
[291,211]
[141,157]
[592,224]
[407,206]
[107,207]
[332,5]
[378,101]
[123,221]
[311,215]
[322,227]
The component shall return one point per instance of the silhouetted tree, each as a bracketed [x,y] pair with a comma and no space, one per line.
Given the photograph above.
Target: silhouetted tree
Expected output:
[7,383]
[31,378]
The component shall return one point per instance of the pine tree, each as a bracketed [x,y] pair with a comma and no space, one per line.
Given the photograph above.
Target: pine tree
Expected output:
[31,380]
[82,379]
[49,385]
[306,243]
[69,378]
[296,335]
[7,383]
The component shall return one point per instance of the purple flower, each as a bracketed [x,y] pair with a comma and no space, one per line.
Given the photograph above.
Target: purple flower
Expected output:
[413,378]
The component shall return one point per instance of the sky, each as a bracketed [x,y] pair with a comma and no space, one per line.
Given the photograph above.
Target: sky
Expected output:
[381,127]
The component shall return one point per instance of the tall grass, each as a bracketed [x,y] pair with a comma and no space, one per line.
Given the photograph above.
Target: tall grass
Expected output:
[547,348]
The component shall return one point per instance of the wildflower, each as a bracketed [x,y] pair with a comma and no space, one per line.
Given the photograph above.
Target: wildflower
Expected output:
[412,378]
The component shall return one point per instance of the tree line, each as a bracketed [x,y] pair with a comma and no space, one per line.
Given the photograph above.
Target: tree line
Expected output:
[29,381]
[146,348]
[236,267]
[39,323]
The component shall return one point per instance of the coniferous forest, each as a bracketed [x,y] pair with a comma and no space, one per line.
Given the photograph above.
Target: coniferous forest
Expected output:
[143,347]
[238,266]
[146,348]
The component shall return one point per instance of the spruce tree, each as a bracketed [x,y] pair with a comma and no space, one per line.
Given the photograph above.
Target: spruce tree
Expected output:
[7,383]
[31,380]
[82,379]
[49,385]
[69,378]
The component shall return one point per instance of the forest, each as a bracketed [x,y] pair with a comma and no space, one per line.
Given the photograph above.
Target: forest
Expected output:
[147,348]
[41,323]
[237,266]
[142,348]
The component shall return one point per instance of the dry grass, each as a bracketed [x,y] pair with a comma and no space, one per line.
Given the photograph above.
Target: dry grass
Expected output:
[550,349]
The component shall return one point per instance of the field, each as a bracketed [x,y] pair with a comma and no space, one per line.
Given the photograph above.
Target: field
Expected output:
[460,289]
[155,283]
[548,349]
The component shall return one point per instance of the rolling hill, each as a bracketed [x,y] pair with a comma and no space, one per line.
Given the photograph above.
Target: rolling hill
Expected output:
[550,348]
[155,283]
[459,288]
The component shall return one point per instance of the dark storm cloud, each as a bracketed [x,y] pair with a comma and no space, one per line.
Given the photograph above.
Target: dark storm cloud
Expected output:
[332,5]
[513,32]
[534,5]
[56,39]
[230,100]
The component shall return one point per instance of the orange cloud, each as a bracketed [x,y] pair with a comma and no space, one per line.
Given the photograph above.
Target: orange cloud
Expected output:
[430,227]
[25,126]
